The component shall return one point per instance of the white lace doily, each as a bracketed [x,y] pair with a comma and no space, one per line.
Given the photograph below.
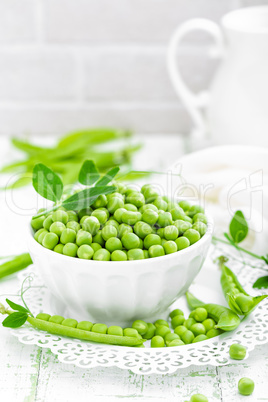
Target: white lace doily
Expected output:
[252,330]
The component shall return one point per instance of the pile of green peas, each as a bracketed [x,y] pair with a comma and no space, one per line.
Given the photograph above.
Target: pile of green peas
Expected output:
[125,225]
[196,328]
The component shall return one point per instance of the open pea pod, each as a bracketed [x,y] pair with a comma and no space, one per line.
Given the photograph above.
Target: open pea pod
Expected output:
[237,298]
[225,318]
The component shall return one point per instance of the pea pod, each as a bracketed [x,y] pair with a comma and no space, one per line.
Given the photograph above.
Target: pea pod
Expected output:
[68,328]
[15,264]
[238,299]
[225,318]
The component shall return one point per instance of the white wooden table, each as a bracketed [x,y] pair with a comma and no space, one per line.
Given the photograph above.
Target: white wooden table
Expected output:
[29,373]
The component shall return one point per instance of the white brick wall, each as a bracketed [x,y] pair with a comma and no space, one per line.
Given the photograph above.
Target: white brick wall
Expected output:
[67,64]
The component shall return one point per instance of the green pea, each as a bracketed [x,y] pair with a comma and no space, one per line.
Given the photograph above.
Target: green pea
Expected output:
[101,201]
[70,249]
[157,342]
[160,232]
[244,302]
[37,223]
[39,231]
[83,237]
[160,203]
[176,342]
[95,246]
[150,331]
[99,239]
[113,243]
[57,228]
[161,322]
[189,322]
[130,240]
[170,337]
[73,225]
[175,312]
[121,188]
[200,227]
[116,194]
[108,232]
[170,247]
[147,207]
[162,330]
[100,215]
[150,194]
[141,244]
[43,316]
[200,314]
[237,351]
[185,205]
[115,330]
[72,216]
[140,326]
[113,222]
[91,225]
[150,216]
[41,236]
[118,214]
[200,338]
[102,255]
[136,199]
[209,324]
[180,330]
[194,209]
[85,252]
[85,325]
[177,320]
[60,216]
[213,332]
[82,220]
[246,386]
[50,240]
[99,328]
[192,235]
[124,229]
[177,213]
[48,222]
[198,398]
[164,219]
[118,255]
[152,240]
[68,236]
[171,232]
[163,241]
[130,207]
[156,251]
[115,203]
[130,217]
[135,254]
[198,329]
[142,229]
[132,332]
[187,337]
[69,322]
[200,217]
[59,248]
[56,319]
[182,226]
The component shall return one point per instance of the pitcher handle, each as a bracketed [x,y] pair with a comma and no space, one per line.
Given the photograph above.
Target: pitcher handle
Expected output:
[193,102]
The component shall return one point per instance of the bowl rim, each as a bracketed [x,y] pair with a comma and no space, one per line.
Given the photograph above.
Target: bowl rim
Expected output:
[147,261]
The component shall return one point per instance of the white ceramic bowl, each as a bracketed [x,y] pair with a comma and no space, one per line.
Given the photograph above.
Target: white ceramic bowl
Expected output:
[119,292]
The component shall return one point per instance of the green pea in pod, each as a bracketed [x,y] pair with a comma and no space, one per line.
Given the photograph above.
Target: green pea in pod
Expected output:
[238,299]
[225,318]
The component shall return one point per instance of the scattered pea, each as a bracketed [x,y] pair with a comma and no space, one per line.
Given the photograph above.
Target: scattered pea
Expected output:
[246,386]
[237,351]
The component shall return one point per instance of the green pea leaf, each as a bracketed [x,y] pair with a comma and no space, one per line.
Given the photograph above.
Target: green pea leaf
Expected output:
[238,227]
[85,198]
[47,183]
[17,307]
[88,174]
[15,320]
[108,177]
[261,283]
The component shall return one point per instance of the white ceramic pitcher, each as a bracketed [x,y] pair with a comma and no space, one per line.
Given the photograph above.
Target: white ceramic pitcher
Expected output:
[236,106]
